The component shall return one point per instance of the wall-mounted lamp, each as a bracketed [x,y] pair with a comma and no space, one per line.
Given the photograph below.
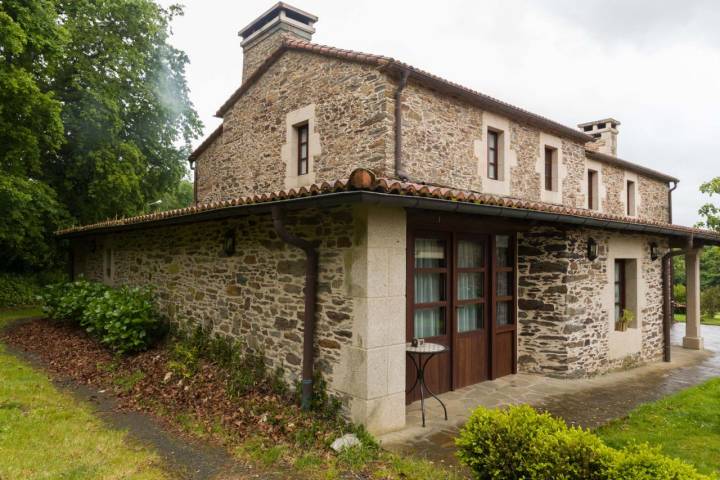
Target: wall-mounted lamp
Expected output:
[592,249]
[654,251]
[229,243]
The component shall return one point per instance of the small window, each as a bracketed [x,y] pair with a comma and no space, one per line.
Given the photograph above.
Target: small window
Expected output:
[550,164]
[597,135]
[630,201]
[493,163]
[303,154]
[592,189]
[601,125]
[620,288]
[587,128]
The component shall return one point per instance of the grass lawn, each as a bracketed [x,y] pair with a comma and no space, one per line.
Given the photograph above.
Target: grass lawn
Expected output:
[47,434]
[706,320]
[685,425]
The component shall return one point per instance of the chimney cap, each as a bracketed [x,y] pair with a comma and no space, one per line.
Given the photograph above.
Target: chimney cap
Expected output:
[299,17]
[606,123]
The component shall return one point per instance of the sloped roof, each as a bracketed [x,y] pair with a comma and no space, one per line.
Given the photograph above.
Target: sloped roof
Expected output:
[391,65]
[379,190]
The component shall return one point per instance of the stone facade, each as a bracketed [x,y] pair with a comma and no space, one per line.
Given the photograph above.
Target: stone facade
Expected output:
[565,303]
[351,121]
[443,138]
[255,295]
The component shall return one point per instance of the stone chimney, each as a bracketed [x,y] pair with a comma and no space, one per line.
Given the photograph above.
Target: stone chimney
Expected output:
[264,34]
[605,133]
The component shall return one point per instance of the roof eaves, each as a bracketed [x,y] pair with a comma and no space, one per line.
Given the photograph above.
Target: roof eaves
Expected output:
[649,172]
[423,196]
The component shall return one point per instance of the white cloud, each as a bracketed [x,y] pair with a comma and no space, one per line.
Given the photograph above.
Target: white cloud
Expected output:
[653,65]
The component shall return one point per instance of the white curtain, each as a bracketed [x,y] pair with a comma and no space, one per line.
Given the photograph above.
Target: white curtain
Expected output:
[429,253]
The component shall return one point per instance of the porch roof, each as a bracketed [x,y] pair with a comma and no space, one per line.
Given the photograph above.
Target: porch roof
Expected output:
[364,187]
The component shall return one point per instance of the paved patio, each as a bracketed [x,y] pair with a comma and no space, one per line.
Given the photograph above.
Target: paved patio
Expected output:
[586,402]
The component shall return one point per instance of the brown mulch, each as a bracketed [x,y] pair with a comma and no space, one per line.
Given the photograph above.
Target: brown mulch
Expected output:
[69,352]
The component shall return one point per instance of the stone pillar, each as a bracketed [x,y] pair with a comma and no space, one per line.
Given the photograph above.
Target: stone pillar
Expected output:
[373,367]
[693,338]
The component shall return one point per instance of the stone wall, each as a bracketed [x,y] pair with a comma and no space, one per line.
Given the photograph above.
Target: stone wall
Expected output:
[254,296]
[351,120]
[574,157]
[565,303]
[615,197]
[524,178]
[653,199]
[438,137]
[443,138]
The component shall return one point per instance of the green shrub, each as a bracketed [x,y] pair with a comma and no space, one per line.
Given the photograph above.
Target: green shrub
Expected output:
[67,302]
[18,290]
[642,462]
[519,442]
[124,319]
[710,301]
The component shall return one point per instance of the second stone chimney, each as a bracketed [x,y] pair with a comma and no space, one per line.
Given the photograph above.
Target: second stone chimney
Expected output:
[605,133]
[264,34]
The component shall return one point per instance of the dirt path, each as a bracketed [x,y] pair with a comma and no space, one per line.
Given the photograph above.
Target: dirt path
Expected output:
[183,457]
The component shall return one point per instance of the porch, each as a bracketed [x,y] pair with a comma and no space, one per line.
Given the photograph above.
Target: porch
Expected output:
[587,402]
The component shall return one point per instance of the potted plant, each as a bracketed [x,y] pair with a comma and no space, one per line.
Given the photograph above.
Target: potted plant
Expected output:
[625,320]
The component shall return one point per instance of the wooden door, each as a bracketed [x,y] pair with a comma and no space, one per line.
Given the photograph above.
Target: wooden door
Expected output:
[502,308]
[428,308]
[470,292]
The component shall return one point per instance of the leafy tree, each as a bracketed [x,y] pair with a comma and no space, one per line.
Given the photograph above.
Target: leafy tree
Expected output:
[709,268]
[179,197]
[29,213]
[710,212]
[30,125]
[127,115]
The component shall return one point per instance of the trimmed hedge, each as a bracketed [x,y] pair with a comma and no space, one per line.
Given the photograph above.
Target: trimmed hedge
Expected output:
[124,319]
[518,442]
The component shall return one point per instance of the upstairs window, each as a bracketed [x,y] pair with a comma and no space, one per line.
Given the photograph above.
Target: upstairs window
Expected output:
[302,149]
[493,163]
[550,169]
[630,201]
[592,190]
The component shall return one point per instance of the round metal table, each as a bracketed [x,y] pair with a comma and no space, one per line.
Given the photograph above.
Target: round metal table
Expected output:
[427,350]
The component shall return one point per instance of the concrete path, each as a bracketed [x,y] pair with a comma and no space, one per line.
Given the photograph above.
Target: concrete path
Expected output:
[586,402]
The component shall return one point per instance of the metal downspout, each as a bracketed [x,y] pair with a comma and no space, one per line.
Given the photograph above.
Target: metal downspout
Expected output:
[667,275]
[311,277]
[399,170]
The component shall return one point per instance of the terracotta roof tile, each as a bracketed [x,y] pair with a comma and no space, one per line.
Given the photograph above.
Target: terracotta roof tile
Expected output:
[365,180]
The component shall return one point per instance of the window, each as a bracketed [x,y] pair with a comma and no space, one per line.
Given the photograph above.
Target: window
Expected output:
[550,156]
[620,288]
[630,198]
[430,287]
[504,280]
[592,190]
[493,155]
[302,155]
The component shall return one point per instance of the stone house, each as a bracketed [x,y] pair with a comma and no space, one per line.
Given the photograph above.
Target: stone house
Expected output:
[349,203]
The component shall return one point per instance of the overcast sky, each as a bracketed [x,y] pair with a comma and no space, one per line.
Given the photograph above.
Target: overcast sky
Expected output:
[652,64]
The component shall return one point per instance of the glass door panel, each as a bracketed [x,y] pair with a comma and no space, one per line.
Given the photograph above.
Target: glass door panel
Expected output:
[430,285]
[470,289]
